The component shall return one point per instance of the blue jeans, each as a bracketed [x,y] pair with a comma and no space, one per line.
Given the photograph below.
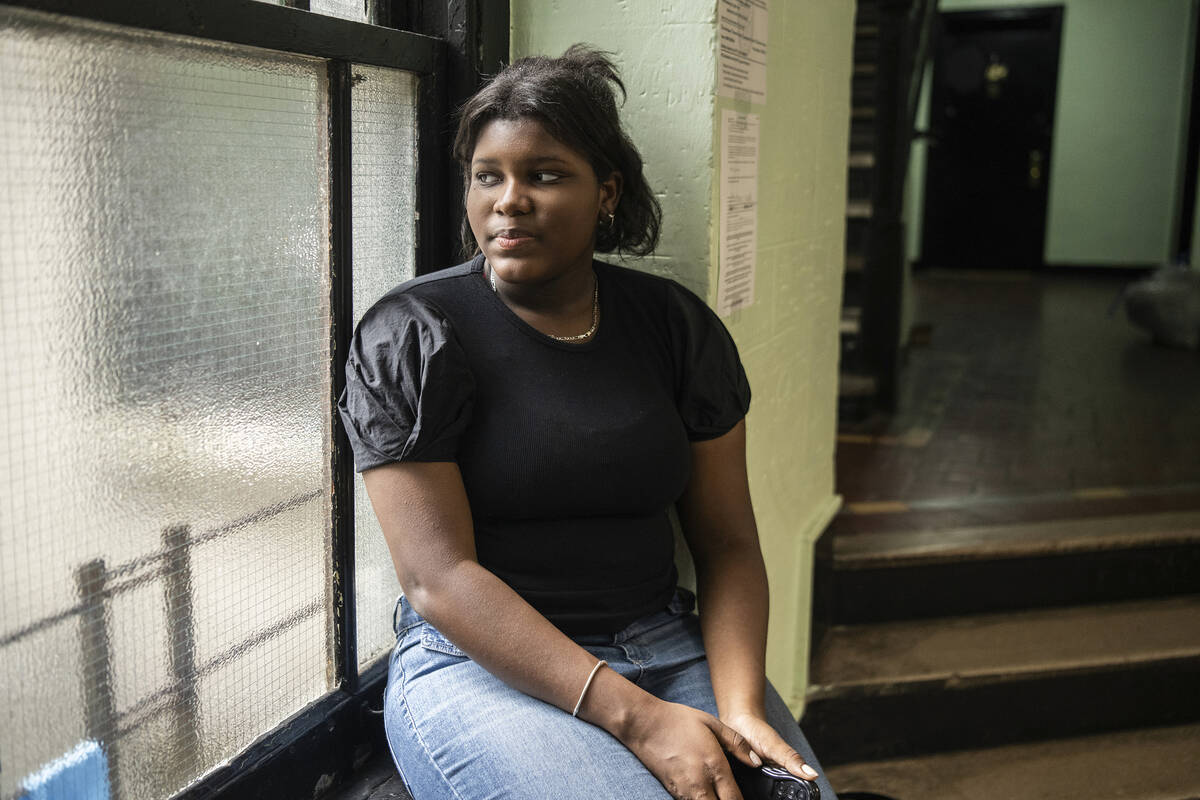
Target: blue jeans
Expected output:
[457,731]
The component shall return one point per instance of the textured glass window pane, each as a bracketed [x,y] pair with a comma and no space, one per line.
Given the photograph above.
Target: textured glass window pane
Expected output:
[346,9]
[384,211]
[355,10]
[164,510]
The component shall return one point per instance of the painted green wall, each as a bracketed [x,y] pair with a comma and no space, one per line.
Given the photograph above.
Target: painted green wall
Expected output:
[788,338]
[665,51]
[1117,155]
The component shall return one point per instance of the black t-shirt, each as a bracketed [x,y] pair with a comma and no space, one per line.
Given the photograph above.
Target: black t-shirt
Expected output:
[571,453]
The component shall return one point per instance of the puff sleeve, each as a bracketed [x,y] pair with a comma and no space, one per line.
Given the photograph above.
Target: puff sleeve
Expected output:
[712,392]
[408,385]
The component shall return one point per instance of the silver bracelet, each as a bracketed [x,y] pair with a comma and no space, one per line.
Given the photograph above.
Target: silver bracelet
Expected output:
[588,685]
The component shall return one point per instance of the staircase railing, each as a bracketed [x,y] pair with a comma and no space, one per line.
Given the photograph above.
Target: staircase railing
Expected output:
[905,41]
[923,19]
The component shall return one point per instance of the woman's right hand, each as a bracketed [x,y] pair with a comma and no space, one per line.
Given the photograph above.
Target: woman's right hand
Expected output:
[685,749]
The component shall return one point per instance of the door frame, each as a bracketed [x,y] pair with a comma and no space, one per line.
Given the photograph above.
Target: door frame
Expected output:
[1181,237]
[999,19]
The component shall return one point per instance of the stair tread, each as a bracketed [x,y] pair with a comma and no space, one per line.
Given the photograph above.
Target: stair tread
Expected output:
[859,209]
[987,647]
[1030,539]
[852,385]
[861,159]
[1144,764]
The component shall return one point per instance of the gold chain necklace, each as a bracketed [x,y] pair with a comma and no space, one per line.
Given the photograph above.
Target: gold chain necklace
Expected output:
[579,337]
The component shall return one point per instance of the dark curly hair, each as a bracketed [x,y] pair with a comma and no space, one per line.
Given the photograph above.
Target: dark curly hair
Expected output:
[573,96]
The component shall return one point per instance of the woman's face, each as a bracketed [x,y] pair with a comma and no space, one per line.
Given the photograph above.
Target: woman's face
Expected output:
[534,202]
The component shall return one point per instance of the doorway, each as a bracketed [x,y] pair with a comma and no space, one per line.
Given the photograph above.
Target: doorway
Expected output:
[995,78]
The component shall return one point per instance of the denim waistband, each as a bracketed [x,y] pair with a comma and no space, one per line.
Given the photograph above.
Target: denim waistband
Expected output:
[682,602]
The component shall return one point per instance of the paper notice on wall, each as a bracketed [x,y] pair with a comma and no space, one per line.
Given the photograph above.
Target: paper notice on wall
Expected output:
[739,210]
[742,49]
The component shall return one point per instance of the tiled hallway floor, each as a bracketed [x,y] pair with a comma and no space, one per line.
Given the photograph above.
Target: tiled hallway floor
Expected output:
[1028,399]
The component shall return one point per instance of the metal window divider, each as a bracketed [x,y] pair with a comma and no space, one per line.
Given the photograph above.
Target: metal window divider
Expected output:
[261,24]
[341,299]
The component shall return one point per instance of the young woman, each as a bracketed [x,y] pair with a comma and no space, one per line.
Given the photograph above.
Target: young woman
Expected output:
[524,423]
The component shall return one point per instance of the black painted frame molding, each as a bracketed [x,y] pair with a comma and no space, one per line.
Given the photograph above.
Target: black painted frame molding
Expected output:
[259,24]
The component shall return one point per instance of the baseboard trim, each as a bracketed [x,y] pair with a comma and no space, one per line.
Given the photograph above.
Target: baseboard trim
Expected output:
[816,533]
[818,522]
[1132,271]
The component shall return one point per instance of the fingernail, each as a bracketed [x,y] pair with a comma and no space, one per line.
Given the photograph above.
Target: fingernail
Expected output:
[754,759]
[808,771]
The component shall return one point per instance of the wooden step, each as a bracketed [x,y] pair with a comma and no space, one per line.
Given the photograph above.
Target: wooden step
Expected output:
[891,575]
[862,159]
[862,135]
[856,391]
[959,651]
[852,385]
[862,90]
[859,209]
[866,11]
[866,50]
[1121,532]
[1158,763]
[921,686]
[860,184]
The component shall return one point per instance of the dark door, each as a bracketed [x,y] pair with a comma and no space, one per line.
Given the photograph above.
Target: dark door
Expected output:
[991,120]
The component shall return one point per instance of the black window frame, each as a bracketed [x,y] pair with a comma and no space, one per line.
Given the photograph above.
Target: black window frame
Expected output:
[452,46]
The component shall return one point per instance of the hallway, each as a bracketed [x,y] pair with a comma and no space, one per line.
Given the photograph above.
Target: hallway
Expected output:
[1013,578]
[1028,391]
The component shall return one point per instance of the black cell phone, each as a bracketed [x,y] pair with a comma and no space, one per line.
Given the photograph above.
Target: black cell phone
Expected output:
[772,783]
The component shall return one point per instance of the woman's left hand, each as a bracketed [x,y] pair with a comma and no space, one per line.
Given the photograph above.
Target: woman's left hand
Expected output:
[769,745]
